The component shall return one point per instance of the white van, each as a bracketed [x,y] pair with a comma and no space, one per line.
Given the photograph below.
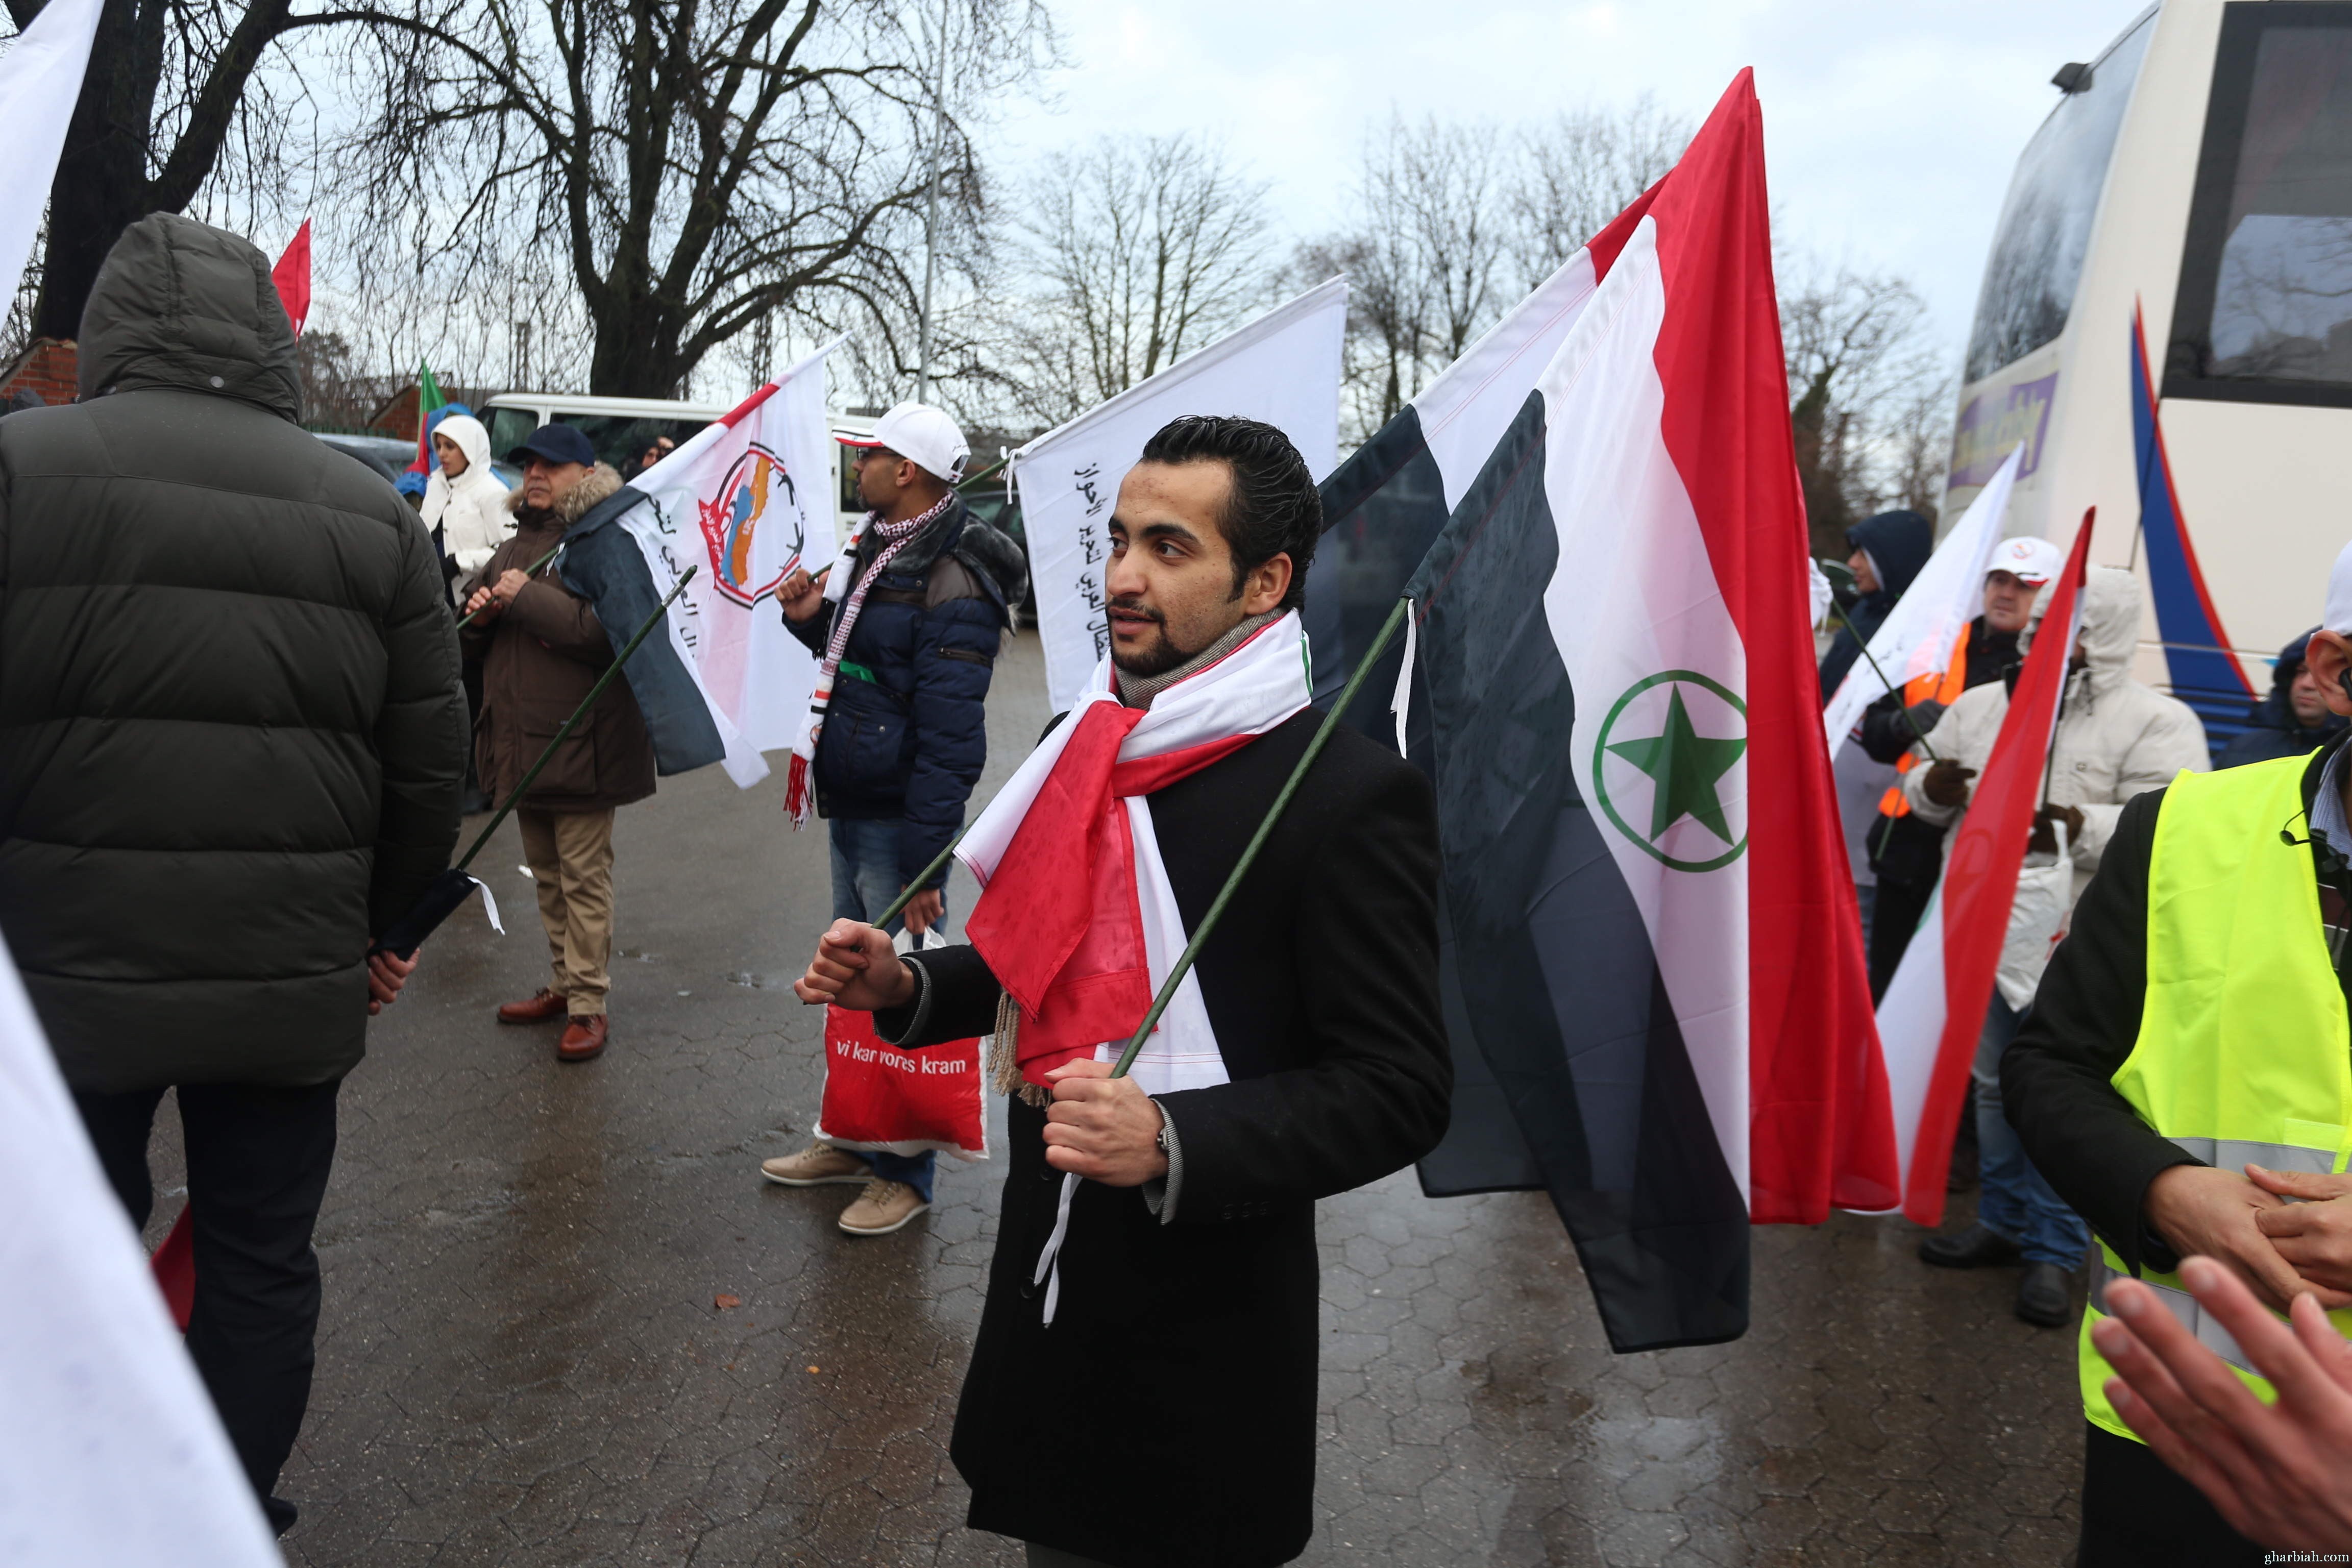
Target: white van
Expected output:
[620,428]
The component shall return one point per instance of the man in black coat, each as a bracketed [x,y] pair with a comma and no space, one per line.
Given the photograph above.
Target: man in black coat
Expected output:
[1162,1415]
[231,742]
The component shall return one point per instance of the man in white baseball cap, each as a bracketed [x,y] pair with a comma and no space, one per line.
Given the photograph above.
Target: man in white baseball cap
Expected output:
[1905,854]
[921,434]
[907,629]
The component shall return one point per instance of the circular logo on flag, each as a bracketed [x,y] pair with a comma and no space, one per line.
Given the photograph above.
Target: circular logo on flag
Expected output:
[1659,768]
[755,485]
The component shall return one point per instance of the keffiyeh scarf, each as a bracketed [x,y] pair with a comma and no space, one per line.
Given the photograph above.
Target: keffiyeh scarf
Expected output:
[799,795]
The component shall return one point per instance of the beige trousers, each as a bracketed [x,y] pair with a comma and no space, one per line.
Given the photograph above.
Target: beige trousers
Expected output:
[571,856]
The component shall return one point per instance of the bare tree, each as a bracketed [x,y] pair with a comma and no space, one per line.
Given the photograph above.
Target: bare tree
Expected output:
[173,101]
[1455,220]
[1916,449]
[1421,260]
[1140,248]
[1858,368]
[688,171]
[1578,169]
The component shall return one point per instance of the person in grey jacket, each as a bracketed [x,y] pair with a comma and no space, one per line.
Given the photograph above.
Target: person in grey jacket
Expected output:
[231,737]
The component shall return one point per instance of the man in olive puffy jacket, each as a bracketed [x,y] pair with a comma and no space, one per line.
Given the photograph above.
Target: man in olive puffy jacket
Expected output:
[231,742]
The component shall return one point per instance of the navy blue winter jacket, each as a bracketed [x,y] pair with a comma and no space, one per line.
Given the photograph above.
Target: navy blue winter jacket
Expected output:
[906,734]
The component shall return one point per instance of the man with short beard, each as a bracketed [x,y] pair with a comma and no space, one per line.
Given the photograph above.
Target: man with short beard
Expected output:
[541,648]
[1143,1390]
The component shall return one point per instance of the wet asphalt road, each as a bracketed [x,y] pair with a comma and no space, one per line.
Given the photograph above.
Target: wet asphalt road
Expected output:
[522,1360]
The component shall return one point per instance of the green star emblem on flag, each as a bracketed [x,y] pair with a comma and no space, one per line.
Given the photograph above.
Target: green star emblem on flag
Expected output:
[1685,768]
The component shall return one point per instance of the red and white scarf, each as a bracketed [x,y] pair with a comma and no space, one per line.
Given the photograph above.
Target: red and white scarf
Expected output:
[1077,918]
[799,796]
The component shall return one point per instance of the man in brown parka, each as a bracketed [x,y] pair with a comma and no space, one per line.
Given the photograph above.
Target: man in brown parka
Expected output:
[541,648]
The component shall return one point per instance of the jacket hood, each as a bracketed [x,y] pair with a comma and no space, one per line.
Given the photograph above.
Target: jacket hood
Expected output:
[2111,612]
[600,482]
[992,550]
[180,304]
[1899,544]
[2290,663]
[473,440]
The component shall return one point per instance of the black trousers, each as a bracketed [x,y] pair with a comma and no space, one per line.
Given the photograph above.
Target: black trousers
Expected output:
[2138,1513]
[1893,919]
[257,1162]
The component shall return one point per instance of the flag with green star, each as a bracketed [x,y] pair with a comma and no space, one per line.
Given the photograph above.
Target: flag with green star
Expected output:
[1653,968]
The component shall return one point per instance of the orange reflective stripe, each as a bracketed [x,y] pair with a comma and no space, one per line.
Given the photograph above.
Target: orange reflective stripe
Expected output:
[1956,672]
[1944,688]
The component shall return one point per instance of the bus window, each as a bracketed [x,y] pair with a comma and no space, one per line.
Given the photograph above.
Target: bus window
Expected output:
[2265,312]
[2045,221]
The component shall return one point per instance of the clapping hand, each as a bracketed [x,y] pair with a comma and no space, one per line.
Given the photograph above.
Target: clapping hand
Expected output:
[2280,1474]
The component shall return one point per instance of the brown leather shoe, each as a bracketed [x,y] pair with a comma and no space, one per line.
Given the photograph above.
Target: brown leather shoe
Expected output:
[583,1039]
[543,1009]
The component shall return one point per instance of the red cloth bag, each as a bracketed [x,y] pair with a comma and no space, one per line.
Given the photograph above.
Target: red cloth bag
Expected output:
[880,1097]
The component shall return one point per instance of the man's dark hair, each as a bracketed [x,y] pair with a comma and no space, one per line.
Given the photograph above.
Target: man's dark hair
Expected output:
[1273,507]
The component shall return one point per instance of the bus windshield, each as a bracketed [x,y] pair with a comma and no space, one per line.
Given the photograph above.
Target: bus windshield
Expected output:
[2266,304]
[2045,222]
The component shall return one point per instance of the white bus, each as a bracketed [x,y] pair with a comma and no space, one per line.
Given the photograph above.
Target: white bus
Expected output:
[2200,169]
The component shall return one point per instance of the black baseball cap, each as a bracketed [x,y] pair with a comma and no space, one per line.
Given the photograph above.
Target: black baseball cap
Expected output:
[556,444]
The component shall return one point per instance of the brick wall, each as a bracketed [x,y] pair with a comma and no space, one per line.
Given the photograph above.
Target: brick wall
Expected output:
[46,368]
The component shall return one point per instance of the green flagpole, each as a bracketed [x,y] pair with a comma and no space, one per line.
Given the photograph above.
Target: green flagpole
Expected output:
[1241,867]
[577,713]
[1258,840]
[530,571]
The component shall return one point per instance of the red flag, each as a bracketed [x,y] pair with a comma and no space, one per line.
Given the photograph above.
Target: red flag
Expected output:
[1960,940]
[292,275]
[174,1264]
[1817,1095]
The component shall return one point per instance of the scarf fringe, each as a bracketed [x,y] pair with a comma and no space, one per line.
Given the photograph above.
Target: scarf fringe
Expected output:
[1005,1056]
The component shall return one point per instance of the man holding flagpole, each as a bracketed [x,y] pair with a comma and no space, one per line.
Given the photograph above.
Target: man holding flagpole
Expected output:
[1907,852]
[897,728]
[1153,1295]
[543,648]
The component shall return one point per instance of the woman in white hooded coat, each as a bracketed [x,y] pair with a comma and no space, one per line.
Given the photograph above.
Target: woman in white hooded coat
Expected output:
[2116,739]
[466,502]
[465,512]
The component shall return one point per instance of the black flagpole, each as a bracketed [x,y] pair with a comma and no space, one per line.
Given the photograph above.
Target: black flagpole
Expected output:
[453,886]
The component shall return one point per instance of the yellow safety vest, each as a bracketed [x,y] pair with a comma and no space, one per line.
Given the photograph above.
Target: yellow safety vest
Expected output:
[1944,688]
[2244,1051]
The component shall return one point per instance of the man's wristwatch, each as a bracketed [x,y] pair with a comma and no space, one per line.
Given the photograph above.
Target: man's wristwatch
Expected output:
[1159,1140]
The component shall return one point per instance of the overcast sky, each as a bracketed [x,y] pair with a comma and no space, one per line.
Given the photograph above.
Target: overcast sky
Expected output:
[1890,128]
